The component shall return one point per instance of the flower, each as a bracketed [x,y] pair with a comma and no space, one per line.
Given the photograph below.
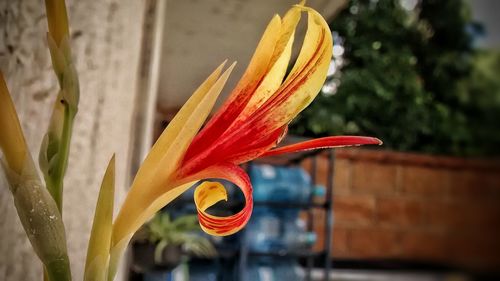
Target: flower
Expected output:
[249,125]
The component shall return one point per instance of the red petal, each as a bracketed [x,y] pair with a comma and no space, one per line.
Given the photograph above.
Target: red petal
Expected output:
[227,225]
[327,142]
[255,148]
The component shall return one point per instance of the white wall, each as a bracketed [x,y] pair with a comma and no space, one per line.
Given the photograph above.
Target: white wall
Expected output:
[106,44]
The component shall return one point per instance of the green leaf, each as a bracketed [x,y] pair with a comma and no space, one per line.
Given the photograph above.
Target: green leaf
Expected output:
[96,266]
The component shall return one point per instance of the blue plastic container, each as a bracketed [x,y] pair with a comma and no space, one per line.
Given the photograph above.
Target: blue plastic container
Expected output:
[277,230]
[280,184]
[264,231]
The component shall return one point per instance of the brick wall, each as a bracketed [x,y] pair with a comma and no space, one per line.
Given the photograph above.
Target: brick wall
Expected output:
[407,206]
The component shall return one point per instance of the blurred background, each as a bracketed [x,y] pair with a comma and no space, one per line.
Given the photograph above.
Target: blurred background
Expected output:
[422,75]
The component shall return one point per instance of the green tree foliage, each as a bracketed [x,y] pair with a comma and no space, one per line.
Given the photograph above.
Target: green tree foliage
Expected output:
[407,79]
[480,96]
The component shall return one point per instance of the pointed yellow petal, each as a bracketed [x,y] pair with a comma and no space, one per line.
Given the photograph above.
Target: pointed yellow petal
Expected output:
[12,141]
[150,165]
[278,64]
[261,59]
[318,36]
[96,266]
[153,177]
[153,187]
[305,80]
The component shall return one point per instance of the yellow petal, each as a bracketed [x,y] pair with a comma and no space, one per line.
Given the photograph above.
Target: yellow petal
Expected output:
[259,64]
[96,265]
[208,193]
[278,64]
[316,29]
[153,186]
[305,80]
[120,242]
[150,165]
[152,179]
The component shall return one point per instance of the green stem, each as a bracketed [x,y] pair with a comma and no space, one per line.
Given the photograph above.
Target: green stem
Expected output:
[58,176]
[60,272]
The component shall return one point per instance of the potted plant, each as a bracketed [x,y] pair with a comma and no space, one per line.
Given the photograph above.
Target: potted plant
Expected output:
[162,242]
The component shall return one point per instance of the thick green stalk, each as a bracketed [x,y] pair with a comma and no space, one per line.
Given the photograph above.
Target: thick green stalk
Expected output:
[35,206]
[41,220]
[54,152]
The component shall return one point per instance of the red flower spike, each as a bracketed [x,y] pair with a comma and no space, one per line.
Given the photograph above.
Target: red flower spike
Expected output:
[326,142]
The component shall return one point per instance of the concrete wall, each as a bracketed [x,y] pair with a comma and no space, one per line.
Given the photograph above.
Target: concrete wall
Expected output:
[106,40]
